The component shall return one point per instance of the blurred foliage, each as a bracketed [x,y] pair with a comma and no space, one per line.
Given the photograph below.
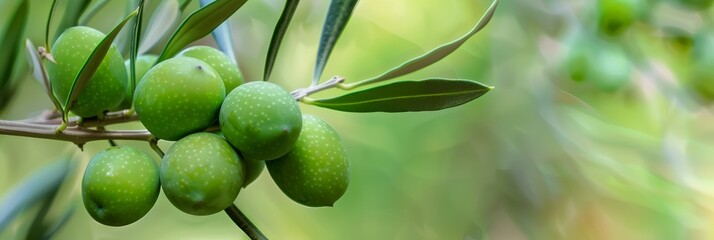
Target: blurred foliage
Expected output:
[599,126]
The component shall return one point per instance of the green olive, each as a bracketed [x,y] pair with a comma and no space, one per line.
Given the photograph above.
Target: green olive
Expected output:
[615,16]
[143,64]
[229,72]
[316,171]
[120,185]
[178,97]
[261,120]
[201,174]
[107,87]
[253,169]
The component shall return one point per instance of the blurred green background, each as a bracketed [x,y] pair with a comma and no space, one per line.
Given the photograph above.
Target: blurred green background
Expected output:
[599,126]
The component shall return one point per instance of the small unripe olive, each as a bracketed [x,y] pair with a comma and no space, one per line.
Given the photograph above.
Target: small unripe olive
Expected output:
[316,171]
[120,185]
[177,97]
[615,16]
[201,174]
[261,120]
[143,64]
[223,65]
[253,169]
[107,87]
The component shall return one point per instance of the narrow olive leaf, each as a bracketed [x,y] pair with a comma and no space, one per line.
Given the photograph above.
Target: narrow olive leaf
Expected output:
[71,15]
[134,49]
[337,17]
[164,18]
[12,41]
[184,4]
[37,227]
[56,224]
[39,72]
[222,35]
[90,66]
[126,36]
[199,24]
[278,33]
[53,9]
[407,96]
[34,189]
[431,57]
[91,11]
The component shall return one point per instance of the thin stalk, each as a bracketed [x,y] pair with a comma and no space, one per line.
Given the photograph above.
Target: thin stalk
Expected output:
[244,223]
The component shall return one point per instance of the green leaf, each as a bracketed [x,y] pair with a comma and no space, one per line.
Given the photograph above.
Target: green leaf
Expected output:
[90,66]
[199,24]
[73,10]
[278,33]
[134,49]
[222,35]
[337,17]
[431,57]
[39,72]
[406,96]
[164,18]
[91,10]
[11,41]
[34,189]
[184,4]
[51,16]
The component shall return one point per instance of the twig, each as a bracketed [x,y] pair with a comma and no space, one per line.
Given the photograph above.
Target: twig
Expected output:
[75,134]
[244,223]
[54,118]
[154,143]
[301,93]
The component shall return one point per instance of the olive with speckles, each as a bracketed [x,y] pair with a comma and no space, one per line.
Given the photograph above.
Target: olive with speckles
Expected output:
[120,185]
[201,174]
[179,96]
[105,90]
[261,120]
[253,169]
[143,64]
[229,72]
[316,172]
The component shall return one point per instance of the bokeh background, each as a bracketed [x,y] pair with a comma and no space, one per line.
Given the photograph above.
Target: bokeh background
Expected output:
[599,126]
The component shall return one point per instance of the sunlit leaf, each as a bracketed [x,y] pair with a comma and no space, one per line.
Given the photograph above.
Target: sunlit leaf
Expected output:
[39,72]
[165,16]
[90,66]
[34,189]
[222,35]
[278,33]
[433,56]
[199,24]
[407,96]
[337,17]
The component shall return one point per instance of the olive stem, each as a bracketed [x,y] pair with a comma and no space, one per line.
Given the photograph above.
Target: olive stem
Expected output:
[301,93]
[244,223]
[154,143]
[75,134]
[55,118]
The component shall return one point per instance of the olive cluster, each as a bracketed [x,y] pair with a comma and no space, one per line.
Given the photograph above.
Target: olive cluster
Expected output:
[179,99]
